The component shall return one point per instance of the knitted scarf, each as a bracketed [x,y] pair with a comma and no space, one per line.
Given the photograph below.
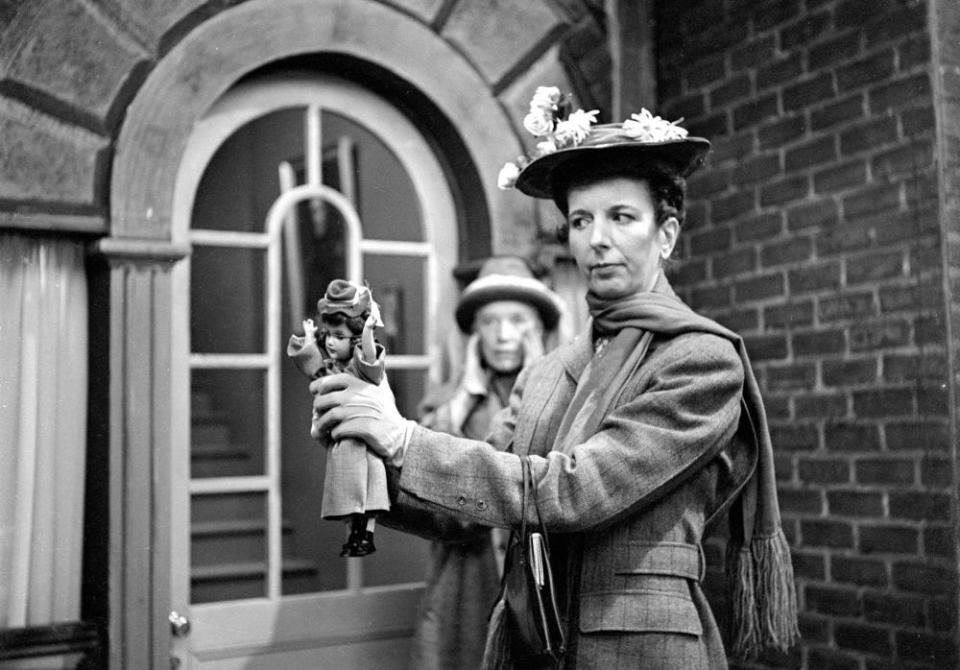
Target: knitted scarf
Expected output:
[759,571]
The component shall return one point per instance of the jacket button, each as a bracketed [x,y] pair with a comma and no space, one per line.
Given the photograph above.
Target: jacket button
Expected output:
[481,505]
[461,501]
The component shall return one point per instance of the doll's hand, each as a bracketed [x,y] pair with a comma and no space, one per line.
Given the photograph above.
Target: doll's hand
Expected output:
[309,330]
[373,321]
[345,406]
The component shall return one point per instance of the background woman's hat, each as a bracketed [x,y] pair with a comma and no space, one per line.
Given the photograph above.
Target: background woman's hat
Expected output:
[508,278]
[345,298]
[609,141]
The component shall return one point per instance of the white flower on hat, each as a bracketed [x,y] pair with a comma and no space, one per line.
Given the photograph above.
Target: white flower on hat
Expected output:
[508,176]
[574,129]
[546,98]
[538,123]
[649,128]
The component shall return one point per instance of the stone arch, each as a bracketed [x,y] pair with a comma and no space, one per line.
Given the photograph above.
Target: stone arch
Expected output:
[244,38]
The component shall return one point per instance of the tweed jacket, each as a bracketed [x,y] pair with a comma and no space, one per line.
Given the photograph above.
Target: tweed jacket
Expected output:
[628,507]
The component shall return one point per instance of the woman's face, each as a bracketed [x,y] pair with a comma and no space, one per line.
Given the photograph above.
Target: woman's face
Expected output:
[503,326]
[614,236]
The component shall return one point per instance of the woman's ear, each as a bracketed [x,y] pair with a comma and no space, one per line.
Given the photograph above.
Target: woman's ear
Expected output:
[669,231]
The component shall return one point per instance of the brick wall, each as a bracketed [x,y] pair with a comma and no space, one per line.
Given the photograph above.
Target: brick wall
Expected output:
[816,232]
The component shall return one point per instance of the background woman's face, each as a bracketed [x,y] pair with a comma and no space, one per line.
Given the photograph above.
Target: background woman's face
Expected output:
[502,326]
[614,236]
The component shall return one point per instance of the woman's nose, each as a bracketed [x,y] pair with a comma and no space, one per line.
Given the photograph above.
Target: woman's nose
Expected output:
[600,232]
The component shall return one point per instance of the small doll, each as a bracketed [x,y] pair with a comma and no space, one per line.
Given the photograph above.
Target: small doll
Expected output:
[355,483]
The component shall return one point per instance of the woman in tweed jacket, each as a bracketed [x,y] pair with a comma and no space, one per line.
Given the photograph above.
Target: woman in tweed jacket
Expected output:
[639,434]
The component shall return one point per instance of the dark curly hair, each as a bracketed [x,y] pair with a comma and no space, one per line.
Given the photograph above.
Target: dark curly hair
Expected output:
[667,188]
[354,324]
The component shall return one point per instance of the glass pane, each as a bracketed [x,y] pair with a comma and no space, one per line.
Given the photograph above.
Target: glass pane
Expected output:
[227,423]
[409,388]
[397,283]
[226,300]
[241,181]
[400,558]
[228,547]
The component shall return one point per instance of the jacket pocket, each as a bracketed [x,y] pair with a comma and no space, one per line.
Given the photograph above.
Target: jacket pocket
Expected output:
[640,611]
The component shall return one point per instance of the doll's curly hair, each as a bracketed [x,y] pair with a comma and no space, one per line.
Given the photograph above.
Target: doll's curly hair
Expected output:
[353,323]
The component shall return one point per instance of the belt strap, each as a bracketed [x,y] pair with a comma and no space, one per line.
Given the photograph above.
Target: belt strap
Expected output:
[677,559]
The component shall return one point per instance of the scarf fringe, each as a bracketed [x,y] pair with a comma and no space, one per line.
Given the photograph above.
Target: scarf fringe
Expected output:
[763,595]
[496,651]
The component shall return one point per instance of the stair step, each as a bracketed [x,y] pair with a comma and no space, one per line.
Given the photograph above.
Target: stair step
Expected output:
[232,527]
[243,570]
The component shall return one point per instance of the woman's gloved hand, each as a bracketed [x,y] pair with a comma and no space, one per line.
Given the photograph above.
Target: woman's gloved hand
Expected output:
[344,406]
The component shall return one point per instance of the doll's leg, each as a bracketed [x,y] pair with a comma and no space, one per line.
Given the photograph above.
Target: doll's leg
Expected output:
[365,544]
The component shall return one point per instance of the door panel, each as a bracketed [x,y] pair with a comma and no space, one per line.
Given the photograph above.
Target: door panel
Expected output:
[256,569]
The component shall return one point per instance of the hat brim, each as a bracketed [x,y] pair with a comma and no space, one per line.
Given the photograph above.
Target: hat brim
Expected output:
[501,287]
[686,155]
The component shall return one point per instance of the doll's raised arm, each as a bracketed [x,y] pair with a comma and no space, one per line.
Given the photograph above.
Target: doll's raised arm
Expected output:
[368,344]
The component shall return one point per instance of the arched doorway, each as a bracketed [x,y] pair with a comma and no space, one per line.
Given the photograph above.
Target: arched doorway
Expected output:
[253,567]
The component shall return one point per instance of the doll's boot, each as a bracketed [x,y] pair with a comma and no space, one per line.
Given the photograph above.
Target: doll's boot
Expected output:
[364,544]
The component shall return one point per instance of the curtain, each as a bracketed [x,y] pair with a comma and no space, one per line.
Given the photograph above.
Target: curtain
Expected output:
[43,404]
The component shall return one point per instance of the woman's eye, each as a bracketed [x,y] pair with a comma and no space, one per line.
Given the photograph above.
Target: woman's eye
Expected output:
[578,223]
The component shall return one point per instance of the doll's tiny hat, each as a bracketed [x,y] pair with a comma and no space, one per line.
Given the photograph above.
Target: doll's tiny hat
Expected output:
[507,278]
[345,298]
[571,141]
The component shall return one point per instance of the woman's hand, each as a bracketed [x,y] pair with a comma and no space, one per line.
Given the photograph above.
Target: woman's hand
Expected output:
[344,406]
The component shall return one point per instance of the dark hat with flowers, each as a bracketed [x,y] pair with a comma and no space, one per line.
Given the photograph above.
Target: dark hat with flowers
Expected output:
[507,278]
[345,298]
[569,140]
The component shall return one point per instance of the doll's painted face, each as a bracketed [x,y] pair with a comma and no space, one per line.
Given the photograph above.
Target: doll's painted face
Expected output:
[337,342]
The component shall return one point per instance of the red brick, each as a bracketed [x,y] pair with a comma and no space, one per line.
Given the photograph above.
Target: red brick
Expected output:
[883,403]
[709,241]
[688,107]
[920,506]
[820,406]
[751,113]
[795,437]
[800,501]
[781,131]
[740,320]
[712,296]
[939,541]
[893,25]
[921,578]
[766,347]
[875,267]
[914,52]
[738,262]
[770,14]
[791,377]
[855,503]
[942,614]
[806,30]
[936,472]
[705,71]
[808,93]
[757,169]
[732,148]
[850,372]
[841,112]
[759,288]
[780,192]
[819,533]
[851,437]
[776,72]
[868,135]
[713,126]
[893,609]
[709,182]
[808,566]
[903,160]
[929,366]
[940,652]
[753,53]
[863,637]
[789,252]
[823,471]
[899,93]
[790,315]
[929,330]
[877,67]
[761,227]
[830,659]
[815,152]
[847,306]
[732,90]
[691,270]
[813,629]
[933,400]
[896,471]
[832,600]
[916,435]
[855,13]
[733,205]
[814,278]
[875,335]
[837,50]
[920,121]
[888,539]
[840,177]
